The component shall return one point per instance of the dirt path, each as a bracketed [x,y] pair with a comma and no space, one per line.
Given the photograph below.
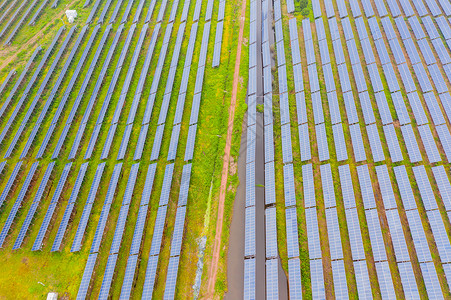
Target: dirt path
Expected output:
[226,161]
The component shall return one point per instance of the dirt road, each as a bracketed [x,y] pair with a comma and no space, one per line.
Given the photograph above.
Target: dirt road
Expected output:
[226,161]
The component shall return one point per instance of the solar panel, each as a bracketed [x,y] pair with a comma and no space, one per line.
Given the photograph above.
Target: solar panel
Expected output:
[304,142]
[392,143]
[333,230]
[177,234]
[321,136]
[375,144]
[292,232]
[360,25]
[400,107]
[334,31]
[394,8]
[171,278]
[444,27]
[435,10]
[397,51]
[374,27]
[344,78]
[355,8]
[429,144]
[375,78]
[290,196]
[346,186]
[250,184]
[317,105]
[417,108]
[412,51]
[357,142]
[330,12]
[270,188]
[411,143]
[309,187]
[375,232]
[108,276]
[351,111]
[342,8]
[314,245]
[324,51]
[249,232]
[367,108]
[340,144]
[347,29]
[442,53]
[191,139]
[334,108]
[87,274]
[408,280]
[385,280]
[280,54]
[368,51]
[300,106]
[366,187]
[431,280]
[268,113]
[440,236]
[298,78]
[306,29]
[271,233]
[397,236]
[418,236]
[338,51]
[267,79]
[269,143]
[313,77]
[359,77]
[424,186]
[249,279]
[328,186]
[446,102]
[340,284]
[434,109]
[423,78]
[294,278]
[385,186]
[129,276]
[296,54]
[317,279]
[149,281]
[320,30]
[286,143]
[10,182]
[284,109]
[328,78]
[355,235]
[445,140]
[427,52]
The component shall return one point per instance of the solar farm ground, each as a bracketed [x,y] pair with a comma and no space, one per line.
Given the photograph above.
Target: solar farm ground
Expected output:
[113,143]
[32,274]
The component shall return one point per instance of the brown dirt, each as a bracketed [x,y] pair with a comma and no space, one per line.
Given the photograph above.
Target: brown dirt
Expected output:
[212,272]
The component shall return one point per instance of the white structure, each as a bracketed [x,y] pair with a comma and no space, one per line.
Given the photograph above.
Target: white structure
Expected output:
[71,15]
[52,296]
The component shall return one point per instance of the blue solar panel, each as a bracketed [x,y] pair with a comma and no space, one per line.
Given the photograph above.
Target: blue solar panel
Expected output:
[294,278]
[334,31]
[394,8]
[382,51]
[359,77]
[149,281]
[385,185]
[87,274]
[411,143]
[442,53]
[317,279]
[191,139]
[249,232]
[355,235]
[397,236]
[355,8]
[314,245]
[367,108]
[375,232]
[357,143]
[429,143]
[366,187]
[388,28]
[405,188]
[434,109]
[347,29]
[108,276]
[375,78]
[408,11]
[444,27]
[309,187]
[338,51]
[271,233]
[374,27]
[340,144]
[435,10]
[397,51]
[368,51]
[346,186]
[129,276]
[375,143]
[446,102]
[329,78]
[270,188]
[339,275]
[306,29]
[362,279]
[319,26]
[287,153]
[328,186]
[292,232]
[321,136]
[250,184]
[301,108]
[416,27]
[280,54]
[249,279]
[304,140]
[423,78]
[431,280]
[445,140]
[424,186]
[392,143]
[361,29]
[334,107]
[417,108]
[317,105]
[269,143]
[427,52]
[400,107]
[418,236]
[171,279]
[290,195]
[408,280]
[284,109]
[351,111]
[177,234]
[440,236]
[412,51]
[333,231]
[313,77]
[324,51]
